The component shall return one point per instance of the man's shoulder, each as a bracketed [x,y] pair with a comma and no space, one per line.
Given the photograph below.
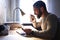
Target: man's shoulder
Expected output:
[50,15]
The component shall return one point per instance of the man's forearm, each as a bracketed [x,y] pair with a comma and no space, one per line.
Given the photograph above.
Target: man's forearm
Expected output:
[42,34]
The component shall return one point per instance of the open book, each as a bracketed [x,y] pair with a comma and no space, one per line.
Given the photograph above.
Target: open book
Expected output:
[21,32]
[28,27]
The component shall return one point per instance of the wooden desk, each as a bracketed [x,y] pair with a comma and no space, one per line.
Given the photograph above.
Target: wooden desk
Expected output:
[13,35]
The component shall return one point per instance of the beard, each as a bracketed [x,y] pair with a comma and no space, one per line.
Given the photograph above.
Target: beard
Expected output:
[38,16]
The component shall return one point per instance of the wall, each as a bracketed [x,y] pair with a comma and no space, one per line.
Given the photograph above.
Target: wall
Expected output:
[54,7]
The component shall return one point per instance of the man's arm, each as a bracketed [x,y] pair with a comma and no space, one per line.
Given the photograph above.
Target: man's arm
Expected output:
[34,23]
[51,28]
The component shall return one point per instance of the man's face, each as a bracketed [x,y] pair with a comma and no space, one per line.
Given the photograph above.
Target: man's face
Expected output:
[37,12]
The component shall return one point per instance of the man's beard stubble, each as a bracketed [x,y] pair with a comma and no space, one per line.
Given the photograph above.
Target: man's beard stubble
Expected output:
[38,16]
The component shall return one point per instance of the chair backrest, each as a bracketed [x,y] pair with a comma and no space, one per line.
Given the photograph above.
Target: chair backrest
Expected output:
[57,36]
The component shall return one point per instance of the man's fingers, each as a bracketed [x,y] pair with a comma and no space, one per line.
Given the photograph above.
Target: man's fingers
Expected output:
[32,18]
[28,31]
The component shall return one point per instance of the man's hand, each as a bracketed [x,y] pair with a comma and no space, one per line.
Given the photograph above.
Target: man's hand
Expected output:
[32,18]
[28,31]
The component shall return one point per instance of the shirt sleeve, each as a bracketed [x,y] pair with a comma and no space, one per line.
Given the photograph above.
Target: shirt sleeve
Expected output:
[51,28]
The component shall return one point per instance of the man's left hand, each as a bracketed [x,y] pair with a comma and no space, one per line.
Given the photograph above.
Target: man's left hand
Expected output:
[28,31]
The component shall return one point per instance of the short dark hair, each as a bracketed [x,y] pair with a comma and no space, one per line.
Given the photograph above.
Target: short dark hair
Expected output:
[39,4]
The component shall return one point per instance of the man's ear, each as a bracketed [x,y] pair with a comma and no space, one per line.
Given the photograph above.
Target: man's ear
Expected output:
[41,9]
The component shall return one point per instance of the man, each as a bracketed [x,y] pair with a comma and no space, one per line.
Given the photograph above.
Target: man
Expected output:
[48,22]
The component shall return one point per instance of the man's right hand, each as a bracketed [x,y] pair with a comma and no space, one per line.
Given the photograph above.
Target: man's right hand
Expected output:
[32,18]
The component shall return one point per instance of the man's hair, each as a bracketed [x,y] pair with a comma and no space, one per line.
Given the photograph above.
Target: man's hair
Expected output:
[39,4]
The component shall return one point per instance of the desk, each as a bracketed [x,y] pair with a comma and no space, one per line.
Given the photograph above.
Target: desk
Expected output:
[13,35]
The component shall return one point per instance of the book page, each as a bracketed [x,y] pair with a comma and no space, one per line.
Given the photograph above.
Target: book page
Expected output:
[28,27]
